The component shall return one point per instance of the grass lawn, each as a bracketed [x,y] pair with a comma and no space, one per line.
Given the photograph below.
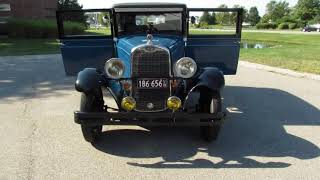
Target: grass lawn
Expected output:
[298,52]
[16,47]
[292,51]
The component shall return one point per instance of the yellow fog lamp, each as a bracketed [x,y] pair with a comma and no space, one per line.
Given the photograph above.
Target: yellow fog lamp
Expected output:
[128,103]
[173,103]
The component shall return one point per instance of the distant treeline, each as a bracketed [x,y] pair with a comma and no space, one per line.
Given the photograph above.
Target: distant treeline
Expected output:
[278,15]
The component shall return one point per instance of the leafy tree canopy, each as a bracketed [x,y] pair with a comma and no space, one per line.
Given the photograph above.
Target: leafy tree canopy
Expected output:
[307,10]
[253,17]
[208,18]
[276,10]
[72,16]
[234,15]
[69,4]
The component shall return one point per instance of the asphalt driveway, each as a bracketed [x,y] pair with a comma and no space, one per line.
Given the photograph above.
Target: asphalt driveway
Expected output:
[272,131]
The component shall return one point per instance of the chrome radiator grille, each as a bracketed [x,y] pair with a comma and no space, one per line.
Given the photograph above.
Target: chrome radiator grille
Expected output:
[150,62]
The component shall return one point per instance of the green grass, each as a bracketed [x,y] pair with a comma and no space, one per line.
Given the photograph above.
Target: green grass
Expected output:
[298,52]
[102,32]
[15,47]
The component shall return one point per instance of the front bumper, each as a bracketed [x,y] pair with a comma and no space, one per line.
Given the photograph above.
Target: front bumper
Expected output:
[148,119]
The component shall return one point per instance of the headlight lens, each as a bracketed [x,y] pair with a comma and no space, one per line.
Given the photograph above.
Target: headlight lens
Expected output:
[185,67]
[114,68]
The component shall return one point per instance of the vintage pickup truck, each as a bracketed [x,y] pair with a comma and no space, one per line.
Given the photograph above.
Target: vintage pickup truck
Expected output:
[158,73]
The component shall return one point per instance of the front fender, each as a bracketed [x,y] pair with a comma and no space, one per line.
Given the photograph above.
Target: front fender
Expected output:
[210,80]
[88,80]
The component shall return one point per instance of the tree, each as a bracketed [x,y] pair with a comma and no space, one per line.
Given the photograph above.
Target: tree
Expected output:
[104,18]
[205,17]
[277,10]
[253,17]
[208,18]
[234,14]
[223,17]
[307,10]
[193,20]
[213,19]
[69,4]
[72,5]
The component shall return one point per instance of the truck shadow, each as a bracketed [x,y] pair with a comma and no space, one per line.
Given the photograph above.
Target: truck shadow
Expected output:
[254,127]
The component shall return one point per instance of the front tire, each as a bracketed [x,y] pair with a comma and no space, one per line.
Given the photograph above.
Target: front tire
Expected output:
[210,133]
[91,103]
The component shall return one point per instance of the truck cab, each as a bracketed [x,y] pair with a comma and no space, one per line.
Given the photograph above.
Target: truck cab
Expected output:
[158,72]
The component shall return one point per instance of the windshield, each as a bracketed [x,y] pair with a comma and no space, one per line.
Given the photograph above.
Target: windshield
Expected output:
[154,23]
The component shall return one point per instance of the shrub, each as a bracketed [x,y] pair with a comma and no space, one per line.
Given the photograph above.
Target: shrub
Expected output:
[261,26]
[203,25]
[266,26]
[293,25]
[73,28]
[283,26]
[31,28]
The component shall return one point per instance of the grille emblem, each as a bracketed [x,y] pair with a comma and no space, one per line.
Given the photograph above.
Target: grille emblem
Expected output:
[149,39]
[150,106]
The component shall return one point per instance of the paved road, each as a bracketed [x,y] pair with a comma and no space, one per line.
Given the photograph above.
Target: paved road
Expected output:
[272,131]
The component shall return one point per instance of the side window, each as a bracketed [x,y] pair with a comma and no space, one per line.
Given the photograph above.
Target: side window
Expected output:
[213,22]
[84,23]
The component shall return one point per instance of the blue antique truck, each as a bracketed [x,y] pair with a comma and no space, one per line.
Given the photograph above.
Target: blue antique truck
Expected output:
[158,73]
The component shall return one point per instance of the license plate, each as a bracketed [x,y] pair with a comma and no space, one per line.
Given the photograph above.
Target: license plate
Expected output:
[152,83]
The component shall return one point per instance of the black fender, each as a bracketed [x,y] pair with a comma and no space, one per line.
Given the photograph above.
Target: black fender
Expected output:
[88,80]
[211,80]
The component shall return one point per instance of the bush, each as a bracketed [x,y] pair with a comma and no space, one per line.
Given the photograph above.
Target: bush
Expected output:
[73,28]
[203,25]
[266,26]
[27,28]
[283,26]
[293,25]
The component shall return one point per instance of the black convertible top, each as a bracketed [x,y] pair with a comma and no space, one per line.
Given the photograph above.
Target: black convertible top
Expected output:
[149,5]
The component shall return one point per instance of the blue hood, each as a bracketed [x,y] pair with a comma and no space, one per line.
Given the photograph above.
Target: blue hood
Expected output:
[175,44]
[126,43]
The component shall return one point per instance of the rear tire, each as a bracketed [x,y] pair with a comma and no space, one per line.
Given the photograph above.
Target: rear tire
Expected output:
[91,103]
[210,133]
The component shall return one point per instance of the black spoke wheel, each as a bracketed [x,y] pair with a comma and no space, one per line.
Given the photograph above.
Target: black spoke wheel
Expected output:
[213,105]
[91,103]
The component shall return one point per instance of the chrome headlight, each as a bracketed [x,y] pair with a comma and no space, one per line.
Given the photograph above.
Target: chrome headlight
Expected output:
[185,67]
[114,68]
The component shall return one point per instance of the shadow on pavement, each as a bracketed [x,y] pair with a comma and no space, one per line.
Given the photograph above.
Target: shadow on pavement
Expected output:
[24,77]
[255,129]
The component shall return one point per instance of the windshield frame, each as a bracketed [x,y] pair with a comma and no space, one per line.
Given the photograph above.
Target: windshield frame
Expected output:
[182,13]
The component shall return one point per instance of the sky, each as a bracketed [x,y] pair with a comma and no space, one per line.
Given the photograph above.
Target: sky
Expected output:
[261,4]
